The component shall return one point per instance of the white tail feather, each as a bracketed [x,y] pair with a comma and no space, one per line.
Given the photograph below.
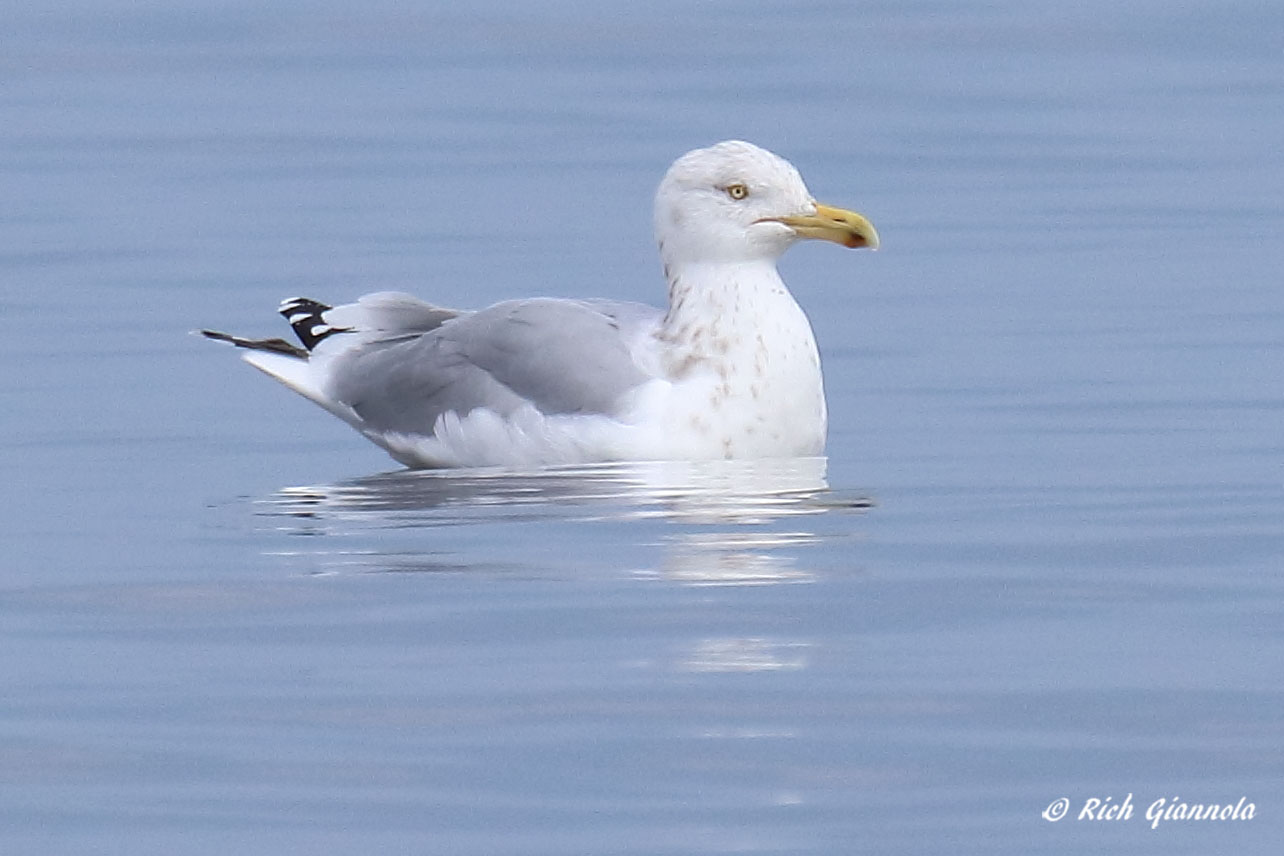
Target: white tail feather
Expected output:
[300,376]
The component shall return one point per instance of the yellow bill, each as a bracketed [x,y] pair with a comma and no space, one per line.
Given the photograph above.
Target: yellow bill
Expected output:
[833,224]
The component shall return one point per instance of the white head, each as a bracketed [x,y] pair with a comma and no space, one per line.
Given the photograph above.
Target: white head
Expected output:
[735,201]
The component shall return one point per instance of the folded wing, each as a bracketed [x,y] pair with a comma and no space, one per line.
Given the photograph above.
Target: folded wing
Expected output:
[557,356]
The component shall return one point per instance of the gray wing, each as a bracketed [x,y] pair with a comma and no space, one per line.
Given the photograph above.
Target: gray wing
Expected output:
[560,356]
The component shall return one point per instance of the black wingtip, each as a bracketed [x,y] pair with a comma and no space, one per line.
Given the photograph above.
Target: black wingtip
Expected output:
[306,317]
[276,346]
[216,335]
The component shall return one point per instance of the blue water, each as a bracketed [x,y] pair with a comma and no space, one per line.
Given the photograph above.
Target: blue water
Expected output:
[1043,558]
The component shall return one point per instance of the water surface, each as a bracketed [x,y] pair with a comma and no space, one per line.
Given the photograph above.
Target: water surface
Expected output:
[1041,560]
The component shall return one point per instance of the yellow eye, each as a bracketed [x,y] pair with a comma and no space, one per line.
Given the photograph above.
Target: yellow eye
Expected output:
[737,191]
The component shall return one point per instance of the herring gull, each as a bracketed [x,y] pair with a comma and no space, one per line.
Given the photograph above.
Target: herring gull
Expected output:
[729,369]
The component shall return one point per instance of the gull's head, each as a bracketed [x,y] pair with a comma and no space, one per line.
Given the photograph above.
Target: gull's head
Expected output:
[735,201]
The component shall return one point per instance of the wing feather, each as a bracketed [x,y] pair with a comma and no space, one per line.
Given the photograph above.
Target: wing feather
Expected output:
[557,356]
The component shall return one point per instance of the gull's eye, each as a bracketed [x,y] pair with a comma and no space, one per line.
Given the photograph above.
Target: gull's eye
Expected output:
[737,191]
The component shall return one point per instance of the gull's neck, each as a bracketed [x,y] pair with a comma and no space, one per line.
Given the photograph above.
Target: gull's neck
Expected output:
[720,296]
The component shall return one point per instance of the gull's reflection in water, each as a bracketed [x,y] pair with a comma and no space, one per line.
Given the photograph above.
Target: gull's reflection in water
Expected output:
[717,522]
[746,654]
[712,524]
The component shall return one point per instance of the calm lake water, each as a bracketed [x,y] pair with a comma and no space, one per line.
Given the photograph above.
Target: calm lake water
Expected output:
[1042,560]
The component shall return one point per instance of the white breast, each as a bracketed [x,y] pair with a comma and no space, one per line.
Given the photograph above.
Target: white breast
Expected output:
[739,370]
